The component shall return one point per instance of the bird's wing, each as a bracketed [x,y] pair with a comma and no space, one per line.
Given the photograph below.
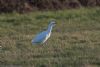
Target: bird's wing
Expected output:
[39,37]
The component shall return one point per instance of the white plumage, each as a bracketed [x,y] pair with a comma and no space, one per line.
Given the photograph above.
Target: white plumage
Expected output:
[43,36]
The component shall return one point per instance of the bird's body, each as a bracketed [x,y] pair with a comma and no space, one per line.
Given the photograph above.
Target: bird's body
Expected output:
[43,36]
[40,38]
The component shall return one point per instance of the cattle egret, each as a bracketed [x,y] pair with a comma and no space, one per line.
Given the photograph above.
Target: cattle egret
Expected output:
[43,36]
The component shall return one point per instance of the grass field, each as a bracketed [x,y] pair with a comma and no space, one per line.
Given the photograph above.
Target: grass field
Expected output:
[75,41]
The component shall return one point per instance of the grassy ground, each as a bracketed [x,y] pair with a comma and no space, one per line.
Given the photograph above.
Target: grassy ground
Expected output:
[75,41]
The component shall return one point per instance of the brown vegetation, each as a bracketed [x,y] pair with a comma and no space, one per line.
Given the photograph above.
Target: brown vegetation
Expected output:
[29,5]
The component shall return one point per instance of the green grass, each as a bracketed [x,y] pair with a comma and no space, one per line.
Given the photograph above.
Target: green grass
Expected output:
[75,41]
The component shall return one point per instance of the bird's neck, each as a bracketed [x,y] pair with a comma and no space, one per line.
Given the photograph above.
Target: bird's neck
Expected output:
[49,29]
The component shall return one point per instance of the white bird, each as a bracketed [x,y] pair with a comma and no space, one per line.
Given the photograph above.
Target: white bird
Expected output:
[43,36]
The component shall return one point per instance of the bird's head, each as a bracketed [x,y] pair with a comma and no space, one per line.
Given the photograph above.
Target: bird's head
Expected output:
[52,23]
